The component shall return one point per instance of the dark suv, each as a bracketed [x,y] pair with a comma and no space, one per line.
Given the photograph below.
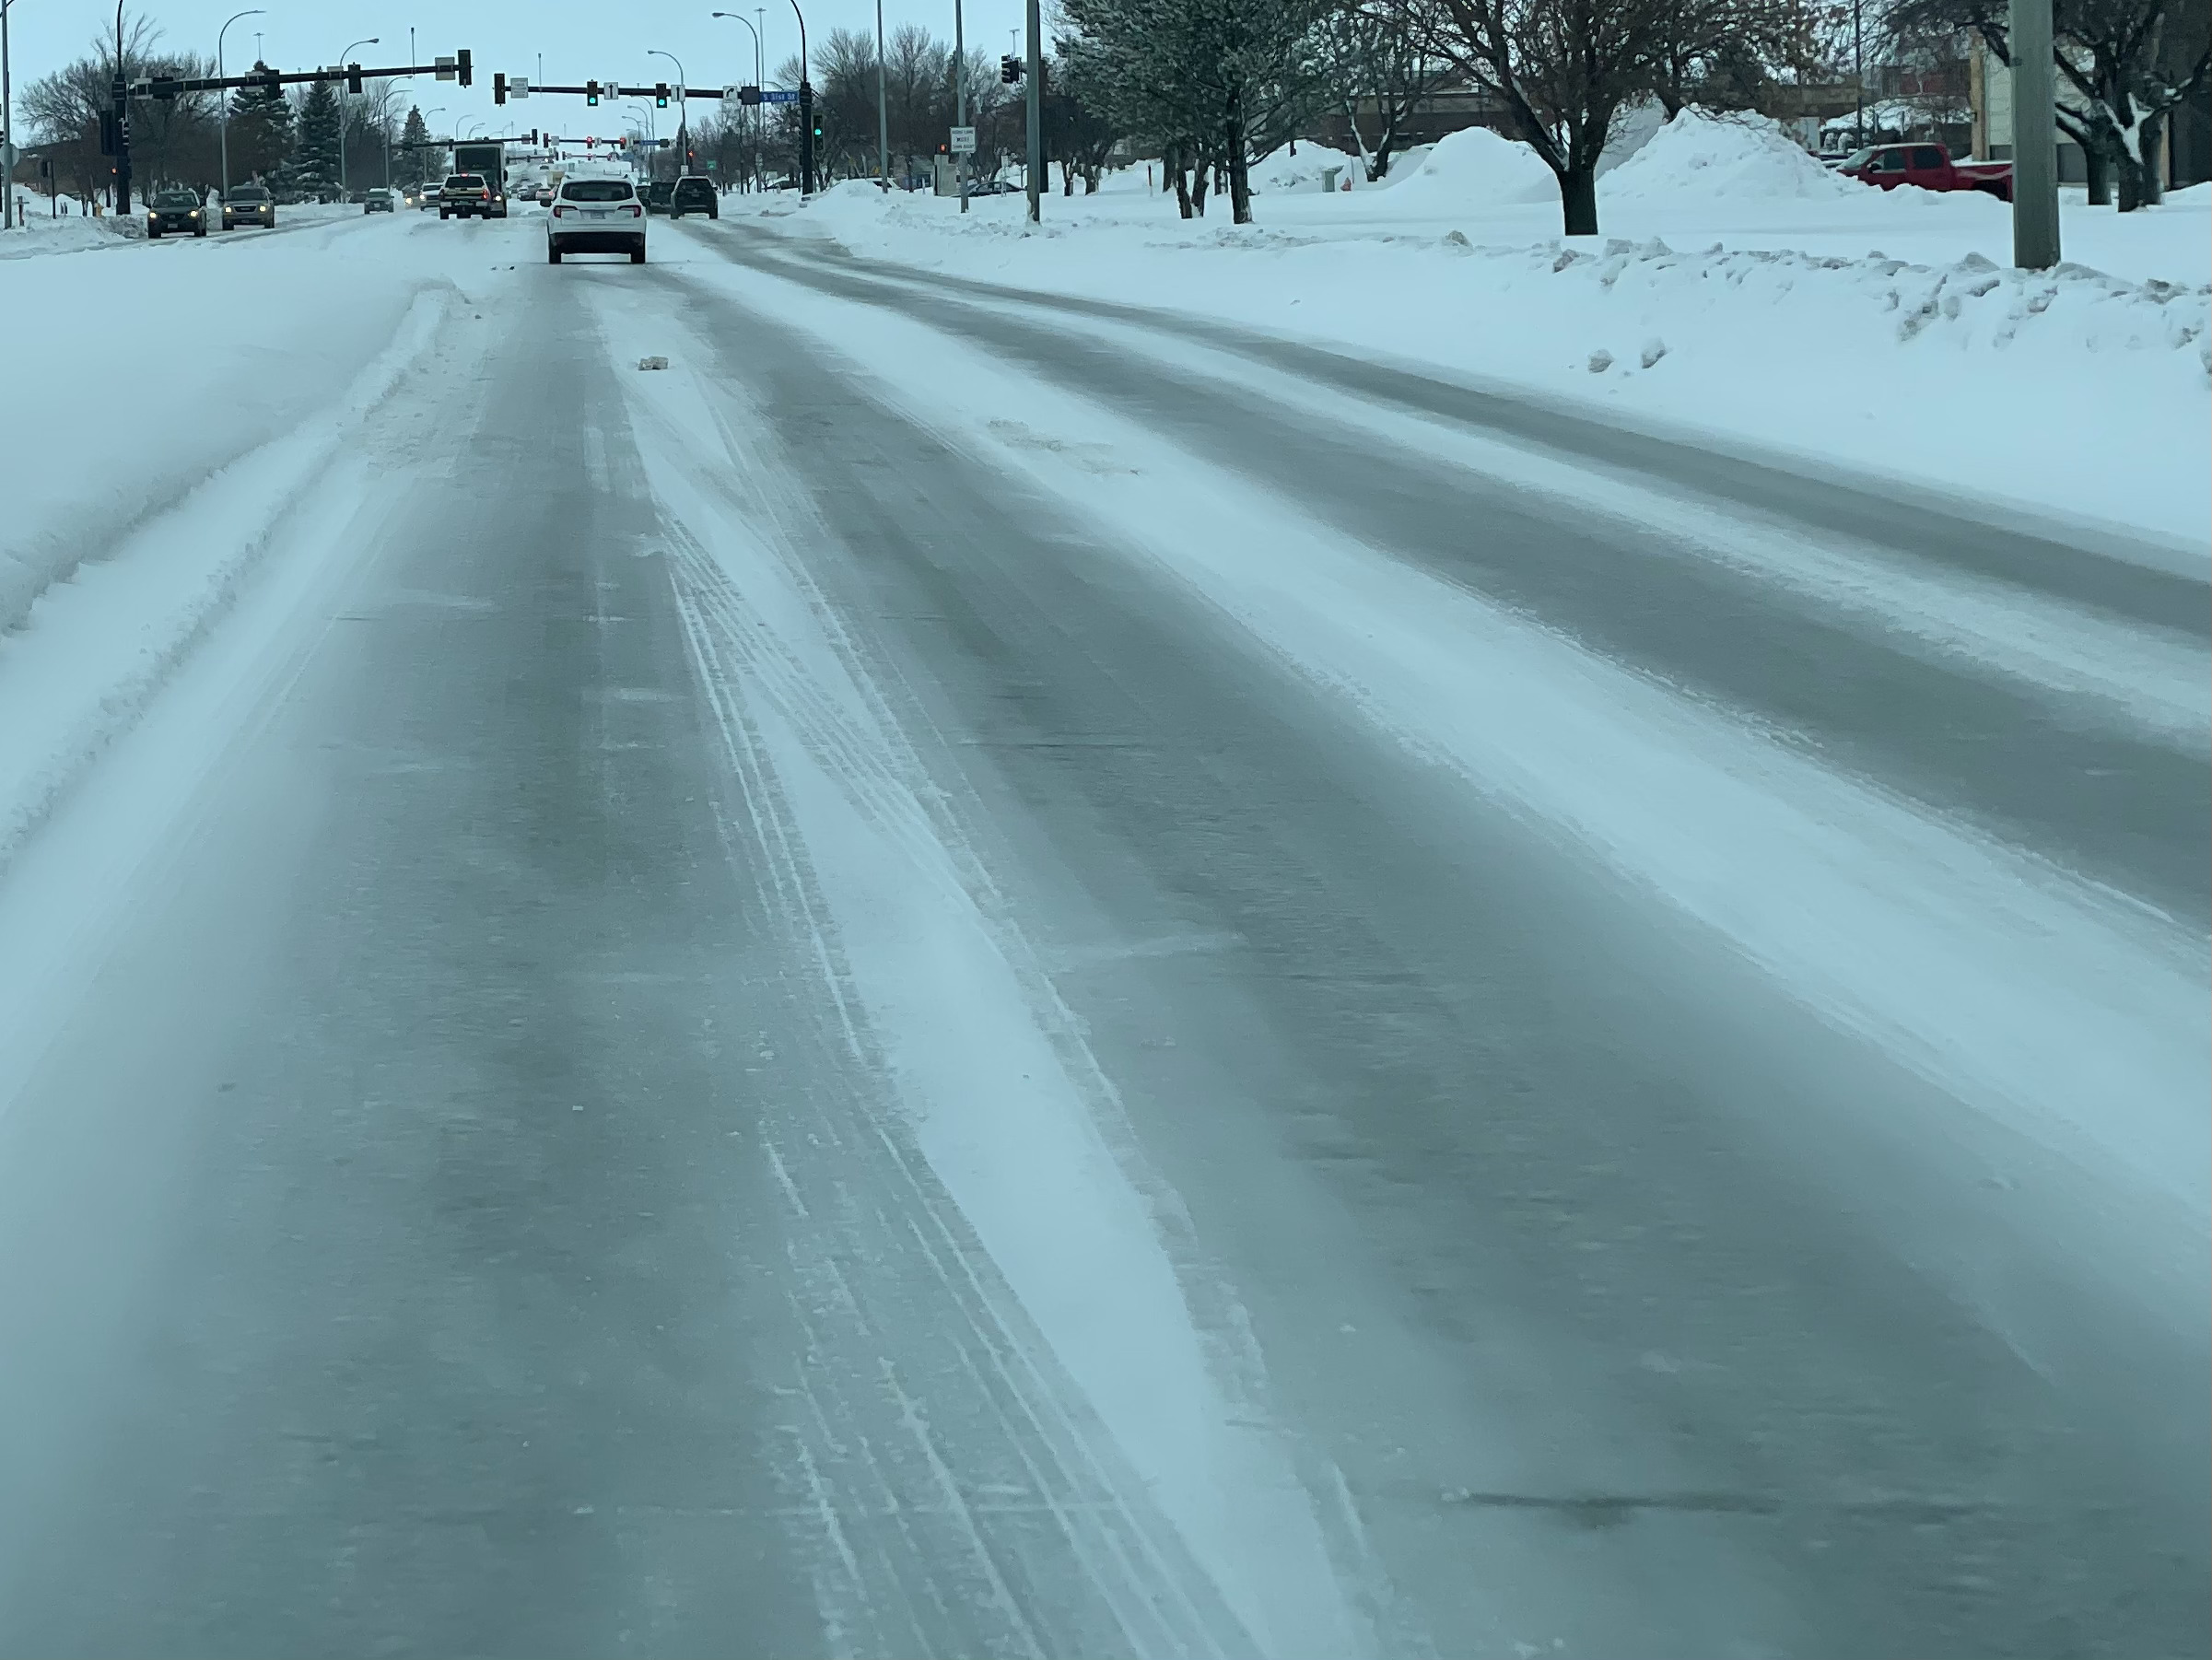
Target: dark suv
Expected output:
[695,194]
[657,195]
[175,210]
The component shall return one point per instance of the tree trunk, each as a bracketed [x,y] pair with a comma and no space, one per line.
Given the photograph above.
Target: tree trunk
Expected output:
[1240,166]
[1204,171]
[1578,198]
[2101,176]
[2151,137]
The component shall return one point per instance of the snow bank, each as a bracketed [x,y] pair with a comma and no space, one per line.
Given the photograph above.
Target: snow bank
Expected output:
[1474,168]
[247,344]
[1960,374]
[69,233]
[1738,157]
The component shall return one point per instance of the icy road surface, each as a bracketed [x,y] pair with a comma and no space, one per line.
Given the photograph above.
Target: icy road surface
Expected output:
[980,975]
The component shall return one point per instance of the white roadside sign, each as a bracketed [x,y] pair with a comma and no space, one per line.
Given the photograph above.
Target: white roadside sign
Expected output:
[963,141]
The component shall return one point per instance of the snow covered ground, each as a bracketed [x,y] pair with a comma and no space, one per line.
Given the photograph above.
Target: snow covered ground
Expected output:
[1740,290]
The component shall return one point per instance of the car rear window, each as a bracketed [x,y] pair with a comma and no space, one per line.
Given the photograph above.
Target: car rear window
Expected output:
[596,190]
[465,182]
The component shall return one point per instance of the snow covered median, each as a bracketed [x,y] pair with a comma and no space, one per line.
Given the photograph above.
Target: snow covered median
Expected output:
[1732,310]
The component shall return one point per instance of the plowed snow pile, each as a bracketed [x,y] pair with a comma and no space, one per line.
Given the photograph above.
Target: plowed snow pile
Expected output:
[1475,168]
[1738,158]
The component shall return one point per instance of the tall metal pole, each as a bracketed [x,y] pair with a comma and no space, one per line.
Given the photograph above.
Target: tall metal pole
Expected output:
[223,126]
[344,58]
[756,71]
[960,163]
[683,110]
[760,76]
[882,110]
[1037,114]
[8,125]
[806,113]
[120,198]
[2035,139]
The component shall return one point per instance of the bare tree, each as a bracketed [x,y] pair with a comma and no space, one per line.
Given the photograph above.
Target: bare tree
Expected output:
[1383,66]
[1564,69]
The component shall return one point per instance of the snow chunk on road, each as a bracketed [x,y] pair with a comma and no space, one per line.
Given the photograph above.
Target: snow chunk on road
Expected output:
[1734,157]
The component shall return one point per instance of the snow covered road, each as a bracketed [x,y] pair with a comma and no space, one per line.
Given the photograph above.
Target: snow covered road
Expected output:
[980,974]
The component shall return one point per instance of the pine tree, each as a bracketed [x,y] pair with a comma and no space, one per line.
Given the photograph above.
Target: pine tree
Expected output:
[260,134]
[315,161]
[415,136]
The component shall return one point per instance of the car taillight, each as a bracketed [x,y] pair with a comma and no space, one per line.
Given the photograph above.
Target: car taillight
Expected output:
[558,212]
[636,210]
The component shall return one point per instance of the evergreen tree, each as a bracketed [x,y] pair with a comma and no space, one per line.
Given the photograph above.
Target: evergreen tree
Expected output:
[260,134]
[315,159]
[415,136]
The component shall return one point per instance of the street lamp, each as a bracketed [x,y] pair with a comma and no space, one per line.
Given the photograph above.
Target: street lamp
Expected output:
[225,125]
[758,70]
[371,41]
[683,107]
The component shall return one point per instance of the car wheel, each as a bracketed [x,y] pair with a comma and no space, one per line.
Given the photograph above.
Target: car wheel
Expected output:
[201,232]
[553,254]
[442,213]
[638,255]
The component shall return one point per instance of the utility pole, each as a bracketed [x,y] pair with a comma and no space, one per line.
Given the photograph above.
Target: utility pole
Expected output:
[1037,114]
[960,163]
[2035,139]
[1858,74]
[882,110]
[344,58]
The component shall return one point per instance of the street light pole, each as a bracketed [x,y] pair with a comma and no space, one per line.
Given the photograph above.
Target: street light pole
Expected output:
[2035,139]
[1858,75]
[683,110]
[342,97]
[806,113]
[224,125]
[757,73]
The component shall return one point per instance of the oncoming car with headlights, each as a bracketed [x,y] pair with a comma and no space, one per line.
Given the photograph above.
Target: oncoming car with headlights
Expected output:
[177,210]
[596,215]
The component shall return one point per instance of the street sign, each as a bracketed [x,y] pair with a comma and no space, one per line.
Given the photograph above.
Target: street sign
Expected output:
[733,95]
[444,67]
[963,141]
[519,86]
[780,95]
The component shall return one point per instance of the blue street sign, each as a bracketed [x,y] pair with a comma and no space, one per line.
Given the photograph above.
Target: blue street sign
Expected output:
[779,95]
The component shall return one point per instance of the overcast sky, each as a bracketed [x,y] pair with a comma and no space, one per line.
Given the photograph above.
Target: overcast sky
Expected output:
[579,39]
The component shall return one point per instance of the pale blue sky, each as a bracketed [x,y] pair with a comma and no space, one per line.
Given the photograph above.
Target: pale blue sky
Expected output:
[581,40]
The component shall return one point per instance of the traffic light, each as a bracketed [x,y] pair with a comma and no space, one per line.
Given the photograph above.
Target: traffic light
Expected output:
[660,95]
[591,92]
[465,70]
[499,86]
[353,79]
[1009,69]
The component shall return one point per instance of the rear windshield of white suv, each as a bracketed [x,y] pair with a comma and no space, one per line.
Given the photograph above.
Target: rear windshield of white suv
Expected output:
[596,190]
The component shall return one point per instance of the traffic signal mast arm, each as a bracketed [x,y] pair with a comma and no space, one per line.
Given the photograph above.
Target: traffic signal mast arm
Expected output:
[353,75]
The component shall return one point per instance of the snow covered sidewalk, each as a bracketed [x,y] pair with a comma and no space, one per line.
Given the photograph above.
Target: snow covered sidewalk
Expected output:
[1732,310]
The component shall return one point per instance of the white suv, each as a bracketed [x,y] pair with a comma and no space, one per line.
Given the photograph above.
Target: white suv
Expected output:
[596,215]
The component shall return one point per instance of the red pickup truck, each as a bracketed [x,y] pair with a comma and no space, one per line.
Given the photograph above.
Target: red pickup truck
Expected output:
[1886,166]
